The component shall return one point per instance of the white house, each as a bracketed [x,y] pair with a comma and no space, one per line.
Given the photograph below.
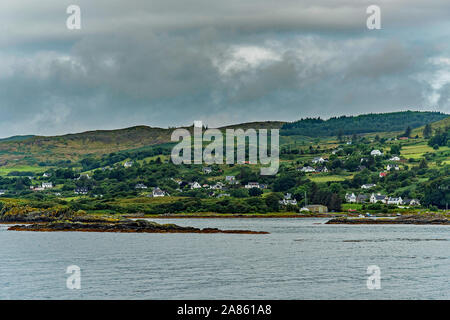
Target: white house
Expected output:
[394,158]
[217,186]
[397,201]
[411,202]
[321,169]
[81,190]
[351,198]
[392,166]
[157,192]
[195,185]
[83,175]
[368,186]
[47,175]
[128,164]
[287,199]
[140,186]
[318,160]
[230,179]
[374,198]
[252,185]
[285,202]
[47,185]
[375,153]
[307,169]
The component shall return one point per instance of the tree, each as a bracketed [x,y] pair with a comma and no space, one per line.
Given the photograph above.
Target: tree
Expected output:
[423,164]
[335,203]
[283,183]
[340,135]
[254,192]
[272,201]
[395,149]
[239,193]
[407,132]
[427,131]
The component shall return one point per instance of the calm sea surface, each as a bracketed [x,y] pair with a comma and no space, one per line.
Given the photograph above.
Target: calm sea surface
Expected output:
[299,259]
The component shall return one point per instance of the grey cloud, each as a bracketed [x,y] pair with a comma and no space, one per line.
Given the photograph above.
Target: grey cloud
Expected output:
[161,63]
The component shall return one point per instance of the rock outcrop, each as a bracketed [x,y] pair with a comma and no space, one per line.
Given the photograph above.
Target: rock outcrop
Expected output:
[129,226]
[410,219]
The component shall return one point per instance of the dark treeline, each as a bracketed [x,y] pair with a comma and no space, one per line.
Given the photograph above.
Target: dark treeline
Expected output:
[348,125]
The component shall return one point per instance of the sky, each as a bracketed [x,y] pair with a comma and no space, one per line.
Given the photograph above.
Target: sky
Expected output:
[166,63]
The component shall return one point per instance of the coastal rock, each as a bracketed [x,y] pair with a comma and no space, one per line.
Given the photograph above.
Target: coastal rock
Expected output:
[411,219]
[130,226]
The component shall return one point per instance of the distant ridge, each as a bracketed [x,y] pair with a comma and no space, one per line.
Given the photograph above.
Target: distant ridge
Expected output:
[16,138]
[366,123]
[75,146]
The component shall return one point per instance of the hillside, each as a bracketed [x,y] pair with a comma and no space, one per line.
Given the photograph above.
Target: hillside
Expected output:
[16,138]
[442,124]
[367,123]
[32,150]
[35,149]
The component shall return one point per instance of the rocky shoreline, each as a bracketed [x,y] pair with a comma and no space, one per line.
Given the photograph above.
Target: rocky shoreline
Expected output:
[127,226]
[31,219]
[412,219]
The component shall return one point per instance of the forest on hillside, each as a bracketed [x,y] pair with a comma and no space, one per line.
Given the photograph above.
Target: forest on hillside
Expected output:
[367,123]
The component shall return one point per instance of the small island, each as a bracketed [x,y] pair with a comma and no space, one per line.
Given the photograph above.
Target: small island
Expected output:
[128,226]
[30,219]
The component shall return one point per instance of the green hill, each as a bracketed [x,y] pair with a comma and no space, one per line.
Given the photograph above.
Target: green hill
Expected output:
[442,124]
[367,123]
[35,149]
[31,150]
[16,138]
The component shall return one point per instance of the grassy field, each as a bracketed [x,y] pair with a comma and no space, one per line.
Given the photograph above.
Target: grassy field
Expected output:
[21,168]
[354,206]
[415,151]
[322,178]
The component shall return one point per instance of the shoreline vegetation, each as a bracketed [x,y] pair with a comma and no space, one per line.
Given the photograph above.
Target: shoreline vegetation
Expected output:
[232,215]
[26,218]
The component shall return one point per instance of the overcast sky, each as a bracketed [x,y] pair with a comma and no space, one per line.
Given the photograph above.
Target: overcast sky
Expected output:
[170,62]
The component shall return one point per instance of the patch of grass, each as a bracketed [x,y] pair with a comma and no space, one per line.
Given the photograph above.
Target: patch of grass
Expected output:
[21,168]
[346,206]
[415,151]
[322,178]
